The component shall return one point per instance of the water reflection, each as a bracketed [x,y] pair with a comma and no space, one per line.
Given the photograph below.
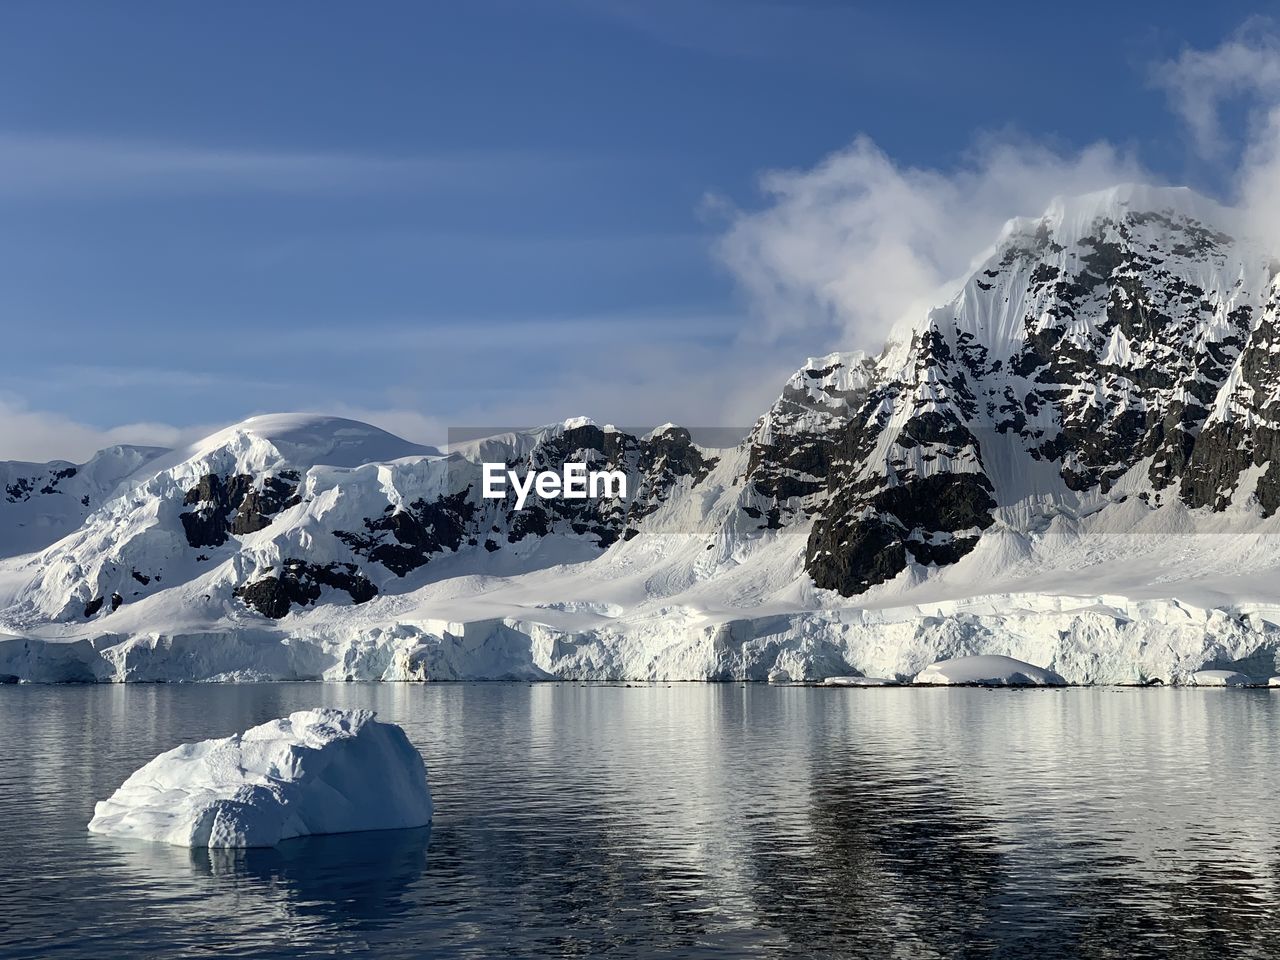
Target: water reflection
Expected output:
[891,856]
[722,820]
[348,877]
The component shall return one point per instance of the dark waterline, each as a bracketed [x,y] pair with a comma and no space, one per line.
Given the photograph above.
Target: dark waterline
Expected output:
[686,820]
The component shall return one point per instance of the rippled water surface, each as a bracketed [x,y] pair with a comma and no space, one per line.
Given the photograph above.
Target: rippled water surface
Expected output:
[682,820]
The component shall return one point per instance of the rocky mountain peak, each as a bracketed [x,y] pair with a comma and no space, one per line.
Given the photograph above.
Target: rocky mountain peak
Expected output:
[1108,366]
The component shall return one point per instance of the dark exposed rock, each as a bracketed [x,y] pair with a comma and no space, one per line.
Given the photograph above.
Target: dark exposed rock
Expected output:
[1223,450]
[866,532]
[23,488]
[792,451]
[863,540]
[20,489]
[601,518]
[300,582]
[935,428]
[259,506]
[664,458]
[851,557]
[406,539]
[93,606]
[254,505]
[941,553]
[205,528]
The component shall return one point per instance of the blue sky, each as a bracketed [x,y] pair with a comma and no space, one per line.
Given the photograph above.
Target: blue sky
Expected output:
[499,213]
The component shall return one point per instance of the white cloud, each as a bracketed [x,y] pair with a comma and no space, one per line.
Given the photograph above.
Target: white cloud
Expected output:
[647,383]
[857,243]
[1243,71]
[1200,82]
[841,252]
[40,435]
[1258,180]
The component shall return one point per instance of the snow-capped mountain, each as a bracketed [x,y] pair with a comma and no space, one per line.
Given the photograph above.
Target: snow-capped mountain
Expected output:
[43,502]
[1119,331]
[1069,462]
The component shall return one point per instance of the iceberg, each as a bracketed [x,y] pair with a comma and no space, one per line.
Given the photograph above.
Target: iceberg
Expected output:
[1220,678]
[312,772]
[988,671]
[859,682]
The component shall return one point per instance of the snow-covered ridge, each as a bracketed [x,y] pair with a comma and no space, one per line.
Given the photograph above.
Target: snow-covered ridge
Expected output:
[1073,217]
[300,438]
[43,502]
[1071,462]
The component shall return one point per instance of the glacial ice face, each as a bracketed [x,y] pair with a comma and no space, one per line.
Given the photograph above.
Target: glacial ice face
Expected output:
[313,772]
[988,671]
[859,682]
[1220,678]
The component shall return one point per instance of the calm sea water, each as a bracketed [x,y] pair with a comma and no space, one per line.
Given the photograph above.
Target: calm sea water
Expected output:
[680,821]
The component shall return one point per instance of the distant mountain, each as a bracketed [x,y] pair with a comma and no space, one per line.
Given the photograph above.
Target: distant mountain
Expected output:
[1071,462]
[41,503]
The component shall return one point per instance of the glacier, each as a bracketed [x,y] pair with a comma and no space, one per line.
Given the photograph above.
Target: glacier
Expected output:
[1070,462]
[312,772]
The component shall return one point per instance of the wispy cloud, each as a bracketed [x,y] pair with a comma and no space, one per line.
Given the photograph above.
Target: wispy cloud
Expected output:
[1243,71]
[643,383]
[478,338]
[170,379]
[842,251]
[39,163]
[1200,82]
[848,248]
[41,435]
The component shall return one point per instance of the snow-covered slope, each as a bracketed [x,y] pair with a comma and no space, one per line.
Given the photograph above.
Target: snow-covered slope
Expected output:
[1070,462]
[43,502]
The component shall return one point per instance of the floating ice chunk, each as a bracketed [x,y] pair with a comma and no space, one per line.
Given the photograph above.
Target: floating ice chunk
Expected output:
[1219,678]
[1274,682]
[313,772]
[990,671]
[859,682]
